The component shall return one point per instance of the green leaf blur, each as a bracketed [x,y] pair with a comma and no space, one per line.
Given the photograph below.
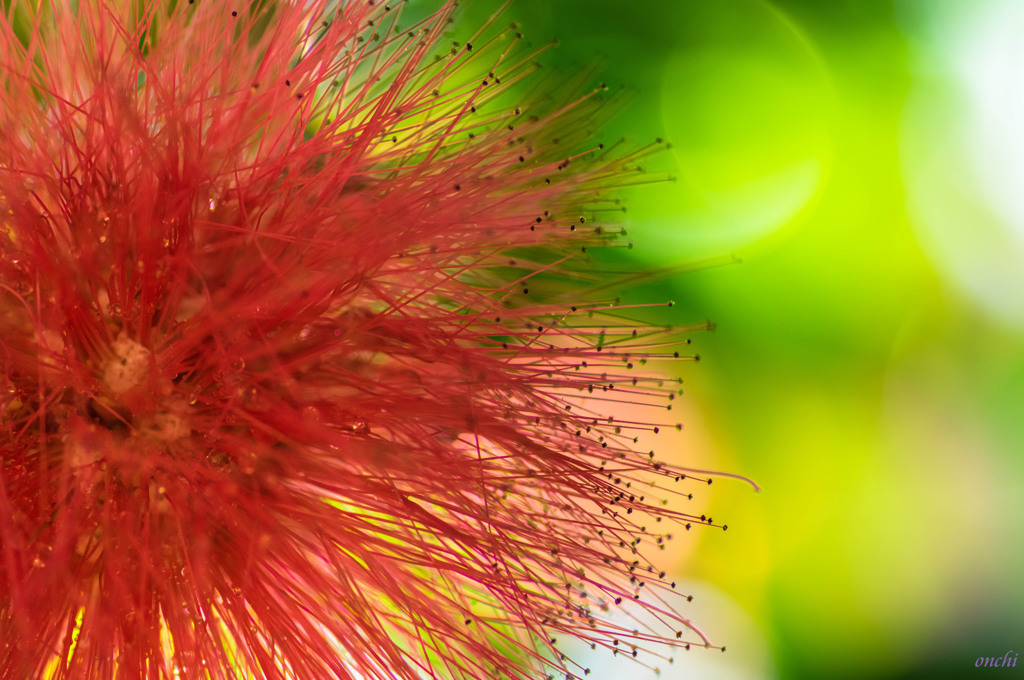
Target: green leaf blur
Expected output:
[868,364]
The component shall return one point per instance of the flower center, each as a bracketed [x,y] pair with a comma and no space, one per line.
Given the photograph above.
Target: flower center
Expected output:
[128,366]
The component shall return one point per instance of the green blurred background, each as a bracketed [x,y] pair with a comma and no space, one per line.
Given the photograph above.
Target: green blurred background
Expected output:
[864,162]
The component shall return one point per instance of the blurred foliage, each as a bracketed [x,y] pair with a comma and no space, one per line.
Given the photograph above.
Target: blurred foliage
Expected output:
[872,394]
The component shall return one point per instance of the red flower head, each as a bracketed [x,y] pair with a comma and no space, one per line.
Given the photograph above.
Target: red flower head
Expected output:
[289,382]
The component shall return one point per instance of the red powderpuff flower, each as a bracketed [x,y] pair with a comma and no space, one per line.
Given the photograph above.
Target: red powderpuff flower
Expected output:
[276,398]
